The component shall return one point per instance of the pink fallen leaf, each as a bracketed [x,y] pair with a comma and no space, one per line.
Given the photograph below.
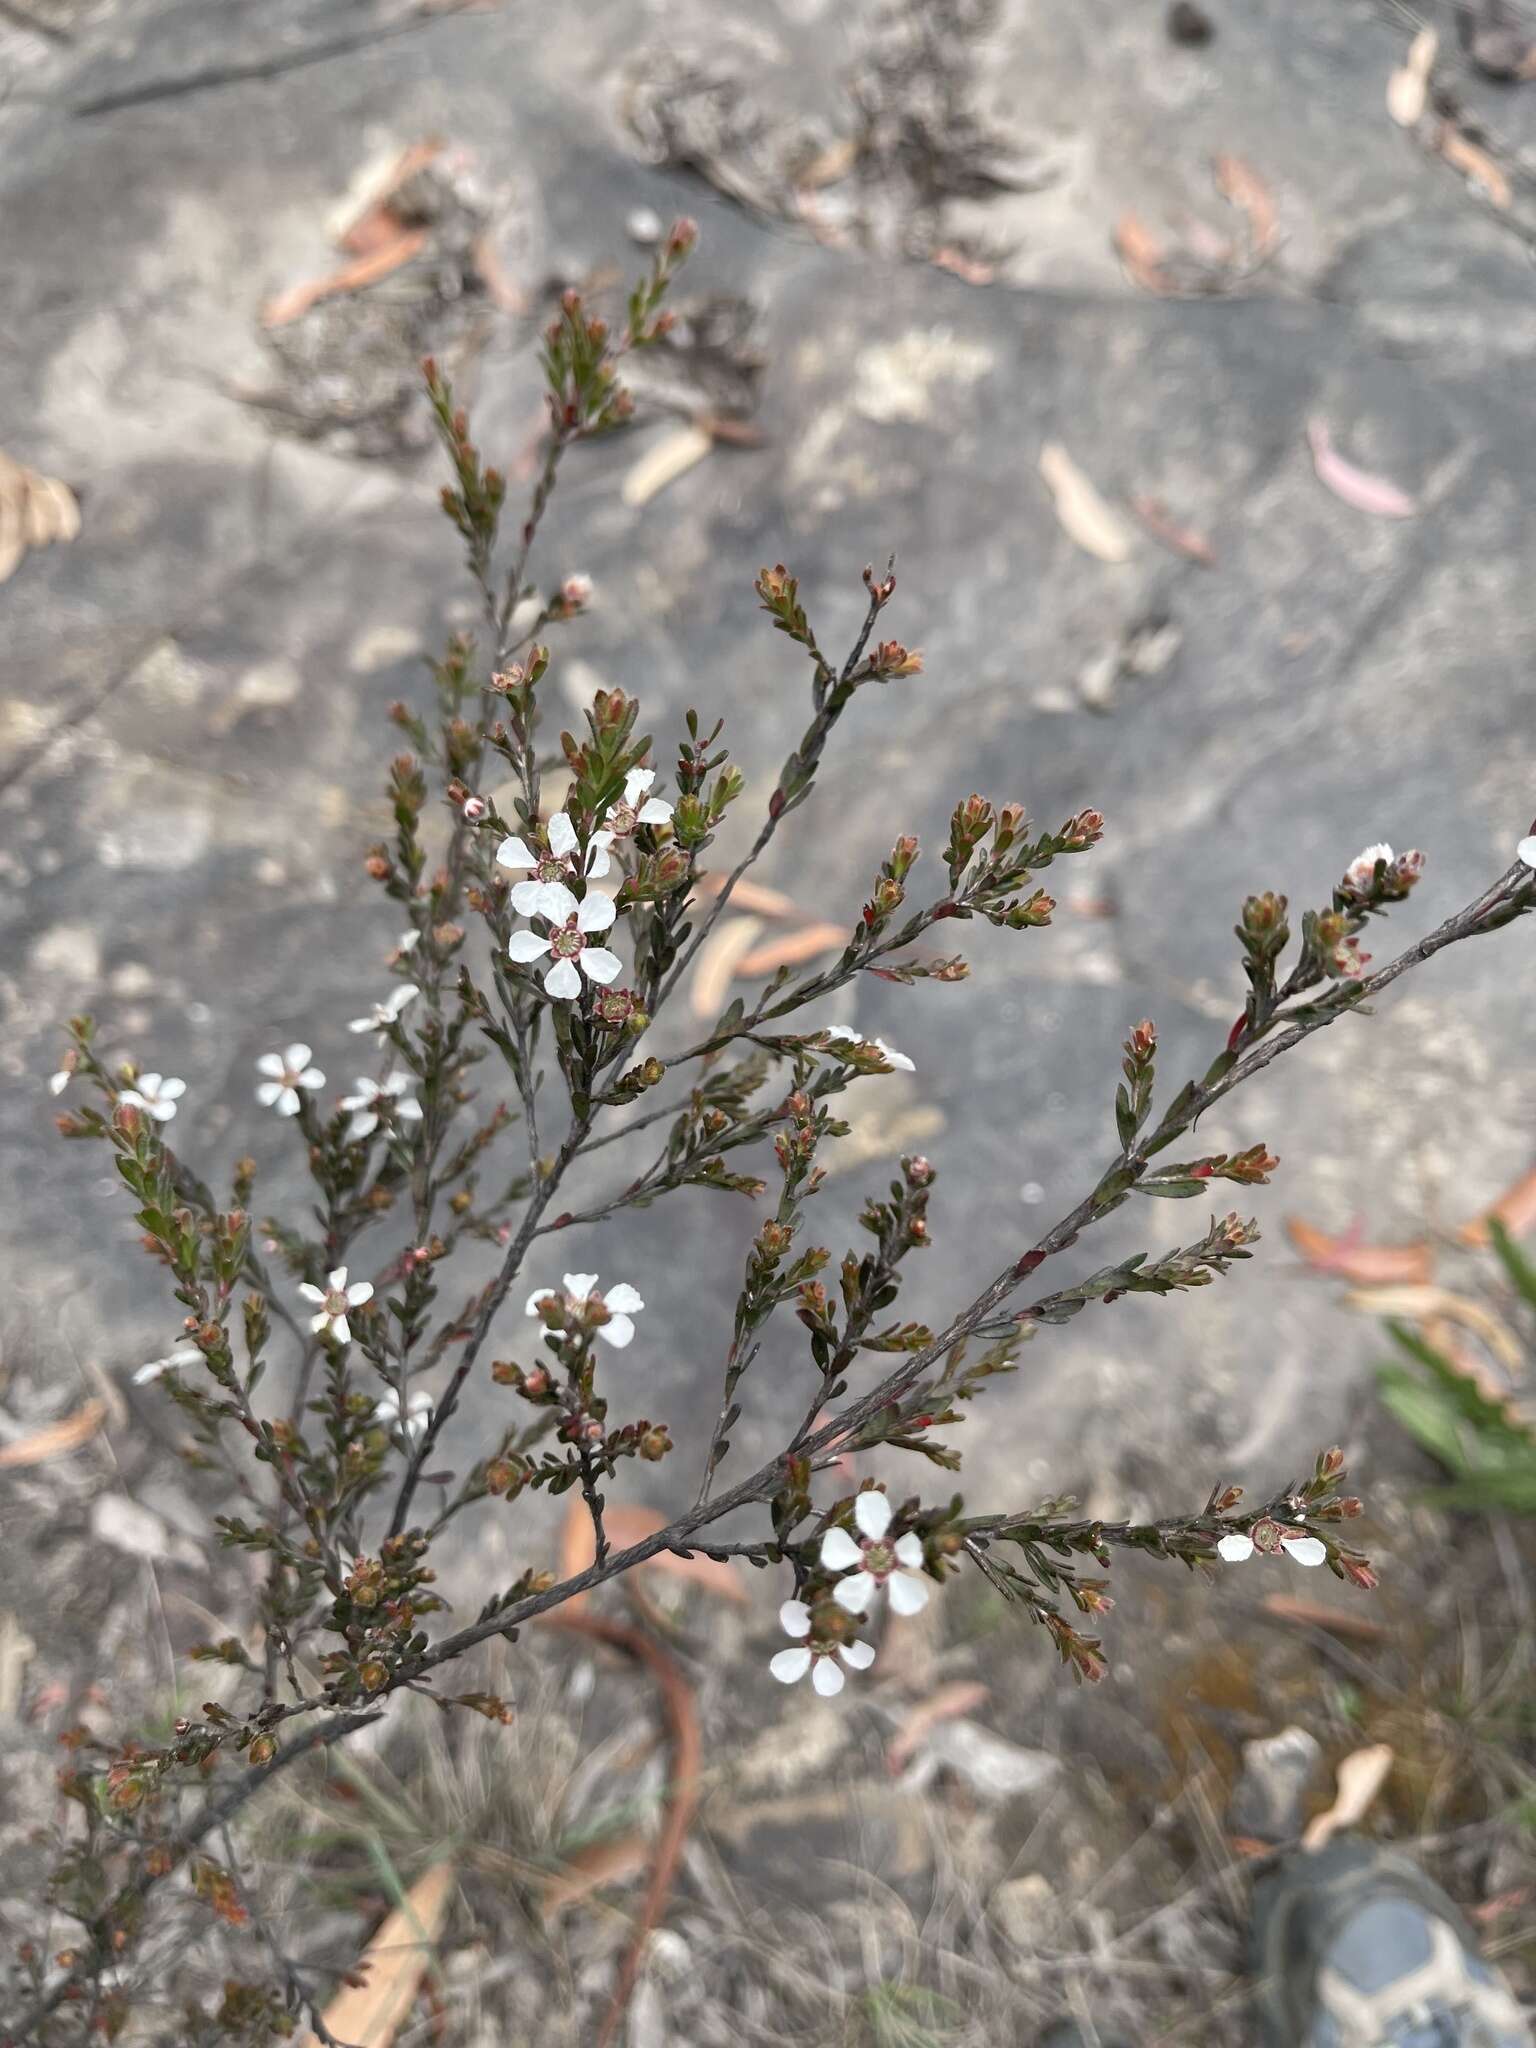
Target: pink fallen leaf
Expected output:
[1355,486]
[960,1696]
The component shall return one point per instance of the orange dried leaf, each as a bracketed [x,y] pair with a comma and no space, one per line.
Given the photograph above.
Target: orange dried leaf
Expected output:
[67,1434]
[588,1869]
[1337,1621]
[1142,254]
[718,957]
[961,1696]
[625,1525]
[1474,164]
[969,269]
[351,277]
[1359,1778]
[1182,540]
[1368,1265]
[830,165]
[1424,1304]
[793,949]
[1241,186]
[749,895]
[495,276]
[1515,1209]
[370,2014]
[375,223]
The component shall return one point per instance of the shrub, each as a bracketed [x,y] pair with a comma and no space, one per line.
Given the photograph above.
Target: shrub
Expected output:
[536,958]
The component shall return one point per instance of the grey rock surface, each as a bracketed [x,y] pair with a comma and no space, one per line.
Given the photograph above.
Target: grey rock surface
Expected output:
[192,731]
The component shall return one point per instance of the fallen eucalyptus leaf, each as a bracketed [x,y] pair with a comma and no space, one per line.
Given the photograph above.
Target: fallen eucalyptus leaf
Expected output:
[67,1434]
[673,456]
[1359,1778]
[1095,526]
[1408,87]
[1356,487]
[370,2014]
[716,963]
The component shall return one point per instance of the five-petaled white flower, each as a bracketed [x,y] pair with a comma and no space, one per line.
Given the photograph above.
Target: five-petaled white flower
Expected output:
[820,1659]
[382,1015]
[630,810]
[1362,869]
[155,1095]
[545,889]
[1268,1537]
[569,942]
[888,1053]
[1526,851]
[184,1355]
[334,1299]
[874,1562]
[418,1411]
[376,1100]
[287,1072]
[623,1303]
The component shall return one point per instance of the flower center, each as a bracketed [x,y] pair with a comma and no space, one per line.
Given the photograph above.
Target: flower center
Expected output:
[551,870]
[621,819]
[336,1304]
[879,1560]
[566,943]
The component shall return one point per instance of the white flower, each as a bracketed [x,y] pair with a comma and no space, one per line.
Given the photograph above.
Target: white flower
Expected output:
[408,941]
[1269,1537]
[376,1099]
[382,1015]
[568,942]
[1526,851]
[629,811]
[287,1073]
[418,1412]
[58,1082]
[545,890]
[888,1053]
[874,1562]
[623,1303]
[186,1354]
[820,1659]
[1362,868]
[333,1300]
[155,1095]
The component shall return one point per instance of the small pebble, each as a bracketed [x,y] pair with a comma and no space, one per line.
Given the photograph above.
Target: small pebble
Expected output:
[1190,25]
[644,226]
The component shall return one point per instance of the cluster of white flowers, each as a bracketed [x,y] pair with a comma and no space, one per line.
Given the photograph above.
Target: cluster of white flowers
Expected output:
[888,1053]
[545,891]
[868,1563]
[1268,1538]
[623,1304]
[332,1302]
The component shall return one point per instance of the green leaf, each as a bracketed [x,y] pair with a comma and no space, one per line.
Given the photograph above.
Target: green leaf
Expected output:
[1522,1274]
